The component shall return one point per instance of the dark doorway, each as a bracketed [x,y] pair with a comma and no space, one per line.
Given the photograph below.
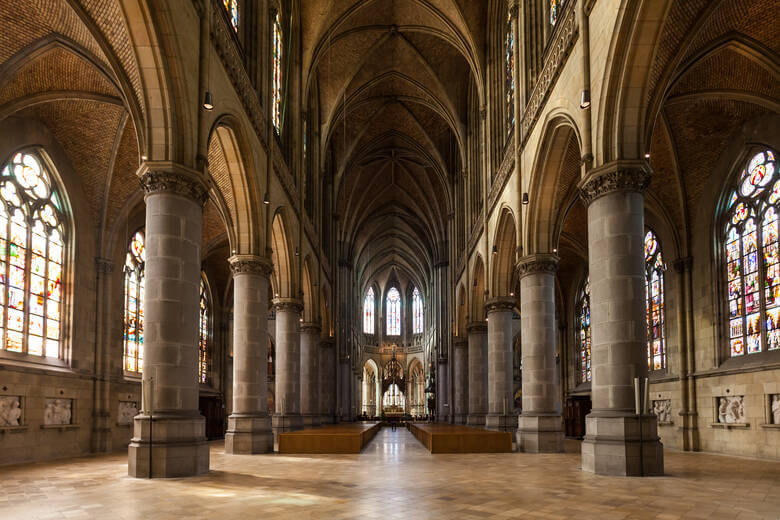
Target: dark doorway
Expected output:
[577,407]
[211,407]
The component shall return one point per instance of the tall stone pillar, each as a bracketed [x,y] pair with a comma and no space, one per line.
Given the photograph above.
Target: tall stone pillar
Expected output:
[310,350]
[618,441]
[174,198]
[249,426]
[461,383]
[539,426]
[499,338]
[287,416]
[442,390]
[478,391]
[327,371]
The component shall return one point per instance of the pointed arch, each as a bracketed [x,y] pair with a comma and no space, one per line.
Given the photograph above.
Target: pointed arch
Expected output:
[505,244]
[281,256]
[309,300]
[477,311]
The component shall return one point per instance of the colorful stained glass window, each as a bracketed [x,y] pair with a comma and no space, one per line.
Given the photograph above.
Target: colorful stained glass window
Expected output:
[393,312]
[555,11]
[584,332]
[135,260]
[509,72]
[368,312]
[751,258]
[203,341]
[654,298]
[417,312]
[276,63]
[31,258]
[231,7]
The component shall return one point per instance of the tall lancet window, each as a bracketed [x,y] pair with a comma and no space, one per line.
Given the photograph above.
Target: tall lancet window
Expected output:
[751,254]
[231,7]
[276,64]
[584,332]
[417,312]
[31,258]
[654,296]
[509,72]
[135,260]
[203,343]
[393,312]
[368,312]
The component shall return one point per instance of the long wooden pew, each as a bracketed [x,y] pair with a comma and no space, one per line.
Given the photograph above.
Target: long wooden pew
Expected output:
[451,438]
[338,438]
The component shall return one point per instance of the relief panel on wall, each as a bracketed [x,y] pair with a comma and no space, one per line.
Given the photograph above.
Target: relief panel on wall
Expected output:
[127,410]
[774,403]
[10,410]
[731,409]
[58,411]
[663,410]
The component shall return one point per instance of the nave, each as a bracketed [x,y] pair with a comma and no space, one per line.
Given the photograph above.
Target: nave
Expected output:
[394,477]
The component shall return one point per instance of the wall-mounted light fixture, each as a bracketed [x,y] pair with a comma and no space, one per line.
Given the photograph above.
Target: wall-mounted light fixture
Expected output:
[525,197]
[495,249]
[585,99]
[265,199]
[208,103]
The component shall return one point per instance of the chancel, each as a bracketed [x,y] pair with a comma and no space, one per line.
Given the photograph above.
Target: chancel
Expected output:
[389,258]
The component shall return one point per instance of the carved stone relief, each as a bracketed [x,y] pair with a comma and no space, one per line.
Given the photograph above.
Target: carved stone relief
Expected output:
[731,409]
[10,410]
[127,410]
[775,409]
[663,410]
[58,411]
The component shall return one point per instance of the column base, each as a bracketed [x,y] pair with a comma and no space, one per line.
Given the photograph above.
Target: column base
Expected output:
[328,419]
[178,446]
[281,423]
[248,434]
[476,419]
[617,446]
[460,418]
[540,433]
[311,420]
[500,422]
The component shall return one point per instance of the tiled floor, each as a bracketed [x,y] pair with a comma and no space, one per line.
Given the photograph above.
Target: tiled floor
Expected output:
[394,478]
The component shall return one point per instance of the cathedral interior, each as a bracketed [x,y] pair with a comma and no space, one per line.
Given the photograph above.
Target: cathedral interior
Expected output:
[389,259]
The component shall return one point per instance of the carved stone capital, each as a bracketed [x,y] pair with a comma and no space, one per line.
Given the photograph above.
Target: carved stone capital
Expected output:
[613,177]
[683,264]
[251,264]
[459,342]
[287,305]
[104,265]
[533,264]
[327,342]
[501,304]
[476,327]
[311,328]
[167,177]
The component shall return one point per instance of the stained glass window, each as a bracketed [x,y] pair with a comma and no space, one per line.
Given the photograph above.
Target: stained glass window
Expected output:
[31,258]
[393,312]
[654,296]
[276,101]
[417,312]
[135,260]
[231,6]
[368,312]
[584,323]
[555,11]
[509,72]
[751,232]
[203,342]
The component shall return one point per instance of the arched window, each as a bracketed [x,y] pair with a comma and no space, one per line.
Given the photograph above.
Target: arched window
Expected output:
[276,64]
[368,312]
[555,11]
[417,312]
[751,232]
[31,258]
[654,297]
[231,7]
[393,312]
[135,260]
[203,343]
[393,397]
[584,332]
[509,72]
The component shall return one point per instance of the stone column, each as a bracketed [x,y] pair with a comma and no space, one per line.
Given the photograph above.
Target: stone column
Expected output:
[461,384]
[499,339]
[478,392]
[618,441]
[174,198]
[539,426]
[287,416]
[327,371]
[310,349]
[442,390]
[249,426]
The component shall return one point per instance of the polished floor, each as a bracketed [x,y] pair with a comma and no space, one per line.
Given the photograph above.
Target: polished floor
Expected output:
[394,478]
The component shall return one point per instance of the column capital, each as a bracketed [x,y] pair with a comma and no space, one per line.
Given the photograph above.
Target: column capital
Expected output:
[251,264]
[170,177]
[104,265]
[615,176]
[459,342]
[328,342]
[683,264]
[311,328]
[476,327]
[288,305]
[534,264]
[500,304]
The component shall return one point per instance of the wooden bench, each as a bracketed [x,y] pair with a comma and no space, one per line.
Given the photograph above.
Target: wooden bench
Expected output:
[451,438]
[339,438]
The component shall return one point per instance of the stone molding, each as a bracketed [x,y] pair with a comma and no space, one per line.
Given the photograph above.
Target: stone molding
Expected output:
[615,176]
[500,304]
[311,328]
[166,177]
[476,327]
[535,264]
[505,170]
[250,264]
[287,305]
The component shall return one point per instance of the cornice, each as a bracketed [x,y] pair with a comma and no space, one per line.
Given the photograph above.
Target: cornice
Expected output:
[615,176]
[536,264]
[251,264]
